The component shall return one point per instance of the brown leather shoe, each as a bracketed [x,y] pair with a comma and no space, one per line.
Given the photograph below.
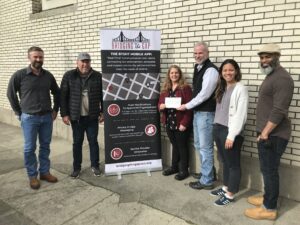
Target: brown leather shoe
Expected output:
[255,200]
[261,214]
[48,177]
[34,183]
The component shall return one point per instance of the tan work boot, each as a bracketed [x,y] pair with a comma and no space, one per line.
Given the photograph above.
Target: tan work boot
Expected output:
[255,200]
[48,177]
[261,214]
[34,183]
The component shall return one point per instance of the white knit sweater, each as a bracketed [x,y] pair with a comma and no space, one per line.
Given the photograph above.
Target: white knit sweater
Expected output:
[238,108]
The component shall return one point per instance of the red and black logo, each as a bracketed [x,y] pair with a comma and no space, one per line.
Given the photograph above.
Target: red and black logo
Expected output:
[150,129]
[116,153]
[113,110]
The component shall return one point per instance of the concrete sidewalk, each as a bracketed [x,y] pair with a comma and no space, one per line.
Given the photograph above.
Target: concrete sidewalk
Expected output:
[136,199]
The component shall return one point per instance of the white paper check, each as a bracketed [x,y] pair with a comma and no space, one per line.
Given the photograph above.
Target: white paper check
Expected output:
[172,102]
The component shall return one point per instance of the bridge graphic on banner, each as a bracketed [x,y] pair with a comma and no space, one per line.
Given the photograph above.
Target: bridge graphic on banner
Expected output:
[123,38]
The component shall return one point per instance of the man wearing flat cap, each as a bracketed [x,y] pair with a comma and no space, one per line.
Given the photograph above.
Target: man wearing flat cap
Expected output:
[81,107]
[273,128]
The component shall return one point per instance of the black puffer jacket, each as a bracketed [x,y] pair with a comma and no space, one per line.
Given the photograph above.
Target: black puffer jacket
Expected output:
[70,97]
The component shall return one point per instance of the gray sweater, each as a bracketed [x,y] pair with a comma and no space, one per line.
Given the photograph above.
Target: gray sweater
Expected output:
[274,99]
[237,111]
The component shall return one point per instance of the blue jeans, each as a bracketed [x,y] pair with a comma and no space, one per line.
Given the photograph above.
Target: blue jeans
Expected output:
[270,152]
[203,142]
[34,126]
[85,124]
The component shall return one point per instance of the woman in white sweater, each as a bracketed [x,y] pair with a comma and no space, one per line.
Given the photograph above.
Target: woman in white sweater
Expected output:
[230,118]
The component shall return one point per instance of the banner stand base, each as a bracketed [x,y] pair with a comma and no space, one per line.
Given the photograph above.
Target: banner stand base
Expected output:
[148,173]
[145,166]
[119,176]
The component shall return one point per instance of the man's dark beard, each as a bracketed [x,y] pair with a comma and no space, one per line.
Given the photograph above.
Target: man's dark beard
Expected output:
[37,65]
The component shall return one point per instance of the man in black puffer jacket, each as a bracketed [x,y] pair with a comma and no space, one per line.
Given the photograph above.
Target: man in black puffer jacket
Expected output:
[81,106]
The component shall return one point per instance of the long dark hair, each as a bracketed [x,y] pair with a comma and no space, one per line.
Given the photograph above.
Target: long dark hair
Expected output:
[221,88]
[167,85]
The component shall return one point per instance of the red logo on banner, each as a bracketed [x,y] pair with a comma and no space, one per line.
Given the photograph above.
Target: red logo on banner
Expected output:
[110,88]
[150,130]
[113,110]
[116,153]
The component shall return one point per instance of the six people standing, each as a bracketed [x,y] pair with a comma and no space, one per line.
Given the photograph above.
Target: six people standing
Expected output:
[81,104]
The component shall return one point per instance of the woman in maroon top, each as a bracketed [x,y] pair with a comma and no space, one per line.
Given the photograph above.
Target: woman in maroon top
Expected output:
[178,123]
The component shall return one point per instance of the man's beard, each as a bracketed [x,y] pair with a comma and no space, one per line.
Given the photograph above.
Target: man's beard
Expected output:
[85,71]
[37,65]
[266,69]
[200,62]
[269,68]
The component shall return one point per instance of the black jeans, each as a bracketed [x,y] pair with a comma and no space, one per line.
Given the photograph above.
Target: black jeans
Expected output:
[180,152]
[85,124]
[230,158]
[270,152]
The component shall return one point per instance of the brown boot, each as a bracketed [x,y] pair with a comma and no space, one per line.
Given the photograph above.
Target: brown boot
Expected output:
[48,177]
[34,183]
[261,214]
[255,200]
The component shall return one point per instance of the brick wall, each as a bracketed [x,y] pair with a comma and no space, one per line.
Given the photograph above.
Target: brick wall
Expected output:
[233,29]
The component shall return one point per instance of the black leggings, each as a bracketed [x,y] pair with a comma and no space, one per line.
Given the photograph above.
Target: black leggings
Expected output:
[180,152]
[229,157]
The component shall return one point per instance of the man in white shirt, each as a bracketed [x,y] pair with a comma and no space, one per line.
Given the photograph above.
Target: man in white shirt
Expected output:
[203,103]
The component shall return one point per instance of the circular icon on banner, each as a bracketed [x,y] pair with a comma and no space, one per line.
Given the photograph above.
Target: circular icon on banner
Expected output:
[113,110]
[150,130]
[110,88]
[116,153]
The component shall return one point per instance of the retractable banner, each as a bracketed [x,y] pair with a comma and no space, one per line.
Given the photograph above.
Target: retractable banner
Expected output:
[130,69]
